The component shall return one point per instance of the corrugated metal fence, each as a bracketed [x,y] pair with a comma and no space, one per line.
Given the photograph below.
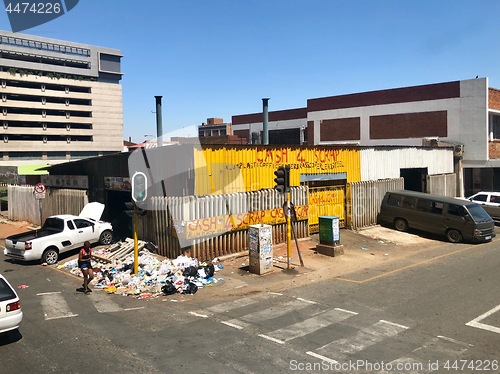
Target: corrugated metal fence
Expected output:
[442,184]
[216,225]
[23,206]
[364,199]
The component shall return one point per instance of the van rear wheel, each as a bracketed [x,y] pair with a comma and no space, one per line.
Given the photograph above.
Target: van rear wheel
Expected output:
[454,236]
[400,224]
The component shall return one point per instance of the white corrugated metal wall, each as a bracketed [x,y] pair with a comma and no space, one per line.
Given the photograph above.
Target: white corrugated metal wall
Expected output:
[386,162]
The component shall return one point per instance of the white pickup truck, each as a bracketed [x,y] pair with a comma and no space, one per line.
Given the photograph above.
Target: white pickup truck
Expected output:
[59,234]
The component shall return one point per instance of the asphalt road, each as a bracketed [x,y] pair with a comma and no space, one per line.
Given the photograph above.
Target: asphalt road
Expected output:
[438,315]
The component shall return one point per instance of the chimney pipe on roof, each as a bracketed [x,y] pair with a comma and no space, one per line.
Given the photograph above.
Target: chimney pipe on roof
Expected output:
[265,120]
[159,132]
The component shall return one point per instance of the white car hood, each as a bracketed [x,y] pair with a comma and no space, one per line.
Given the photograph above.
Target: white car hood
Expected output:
[92,210]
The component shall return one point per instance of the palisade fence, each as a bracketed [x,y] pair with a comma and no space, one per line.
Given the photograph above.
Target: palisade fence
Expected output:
[216,225]
[364,199]
[23,206]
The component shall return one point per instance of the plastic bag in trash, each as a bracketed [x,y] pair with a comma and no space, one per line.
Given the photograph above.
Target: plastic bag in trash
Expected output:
[190,288]
[168,288]
[209,270]
[190,271]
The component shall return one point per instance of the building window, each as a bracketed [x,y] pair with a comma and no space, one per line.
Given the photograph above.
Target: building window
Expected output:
[495,126]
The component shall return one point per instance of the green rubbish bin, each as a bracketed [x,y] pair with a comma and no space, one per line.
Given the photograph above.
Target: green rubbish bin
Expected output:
[329,230]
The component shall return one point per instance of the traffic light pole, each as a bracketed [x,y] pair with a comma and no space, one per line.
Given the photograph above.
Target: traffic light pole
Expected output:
[288,215]
[136,244]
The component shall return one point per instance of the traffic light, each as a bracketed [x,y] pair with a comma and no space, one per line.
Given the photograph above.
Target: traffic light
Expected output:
[139,187]
[282,179]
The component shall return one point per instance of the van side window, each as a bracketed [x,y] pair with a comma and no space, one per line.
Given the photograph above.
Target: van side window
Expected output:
[394,200]
[409,202]
[429,206]
[456,210]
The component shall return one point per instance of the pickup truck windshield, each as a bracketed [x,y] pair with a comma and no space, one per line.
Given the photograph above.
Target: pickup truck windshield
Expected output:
[55,224]
[478,214]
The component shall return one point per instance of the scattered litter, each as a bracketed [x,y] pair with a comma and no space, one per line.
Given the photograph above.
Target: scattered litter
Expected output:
[386,254]
[113,269]
[280,257]
[373,254]
[364,248]
[23,286]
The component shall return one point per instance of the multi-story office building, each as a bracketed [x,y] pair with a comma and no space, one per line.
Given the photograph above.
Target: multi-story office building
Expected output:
[59,100]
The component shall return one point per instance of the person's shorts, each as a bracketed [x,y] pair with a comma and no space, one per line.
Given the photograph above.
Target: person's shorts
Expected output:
[86,265]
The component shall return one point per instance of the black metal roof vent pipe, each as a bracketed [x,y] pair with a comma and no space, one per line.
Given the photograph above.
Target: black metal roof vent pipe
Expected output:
[159,131]
[265,121]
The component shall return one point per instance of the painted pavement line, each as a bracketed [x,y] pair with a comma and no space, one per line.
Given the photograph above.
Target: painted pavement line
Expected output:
[363,339]
[227,323]
[310,325]
[271,339]
[306,301]
[322,358]
[198,314]
[475,322]
[55,306]
[347,311]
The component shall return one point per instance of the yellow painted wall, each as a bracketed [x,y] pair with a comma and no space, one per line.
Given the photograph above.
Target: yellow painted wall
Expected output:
[228,169]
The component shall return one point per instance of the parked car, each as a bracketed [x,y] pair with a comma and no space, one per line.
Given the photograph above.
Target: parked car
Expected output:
[60,234]
[455,219]
[490,201]
[11,313]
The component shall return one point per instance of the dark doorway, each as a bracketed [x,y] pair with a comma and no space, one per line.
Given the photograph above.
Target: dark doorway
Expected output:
[115,213]
[415,179]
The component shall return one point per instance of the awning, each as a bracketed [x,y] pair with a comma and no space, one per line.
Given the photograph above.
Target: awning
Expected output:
[32,170]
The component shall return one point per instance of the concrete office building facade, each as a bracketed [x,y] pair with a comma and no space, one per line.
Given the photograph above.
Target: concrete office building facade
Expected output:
[59,100]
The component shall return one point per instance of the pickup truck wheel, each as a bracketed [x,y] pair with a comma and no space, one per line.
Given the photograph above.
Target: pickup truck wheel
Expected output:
[106,237]
[50,256]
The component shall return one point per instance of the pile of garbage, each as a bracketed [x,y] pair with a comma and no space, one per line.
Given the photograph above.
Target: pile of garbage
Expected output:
[155,276]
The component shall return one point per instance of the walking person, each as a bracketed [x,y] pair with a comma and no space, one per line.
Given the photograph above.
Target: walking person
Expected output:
[85,265]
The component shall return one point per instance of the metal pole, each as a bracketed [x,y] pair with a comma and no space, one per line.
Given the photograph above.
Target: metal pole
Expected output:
[288,230]
[159,131]
[265,119]
[136,245]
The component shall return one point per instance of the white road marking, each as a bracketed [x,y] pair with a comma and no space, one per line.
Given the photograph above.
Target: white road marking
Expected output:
[363,338]
[475,322]
[232,325]
[103,303]
[347,311]
[394,324]
[271,339]
[322,358]
[54,306]
[306,301]
[235,304]
[454,341]
[310,325]
[136,308]
[198,315]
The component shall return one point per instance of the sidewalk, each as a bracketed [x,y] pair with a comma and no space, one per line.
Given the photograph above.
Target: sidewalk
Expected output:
[365,253]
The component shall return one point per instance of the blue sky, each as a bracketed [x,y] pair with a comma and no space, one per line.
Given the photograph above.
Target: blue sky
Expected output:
[218,58]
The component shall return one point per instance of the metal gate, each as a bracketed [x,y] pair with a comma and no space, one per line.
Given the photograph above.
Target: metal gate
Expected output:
[326,201]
